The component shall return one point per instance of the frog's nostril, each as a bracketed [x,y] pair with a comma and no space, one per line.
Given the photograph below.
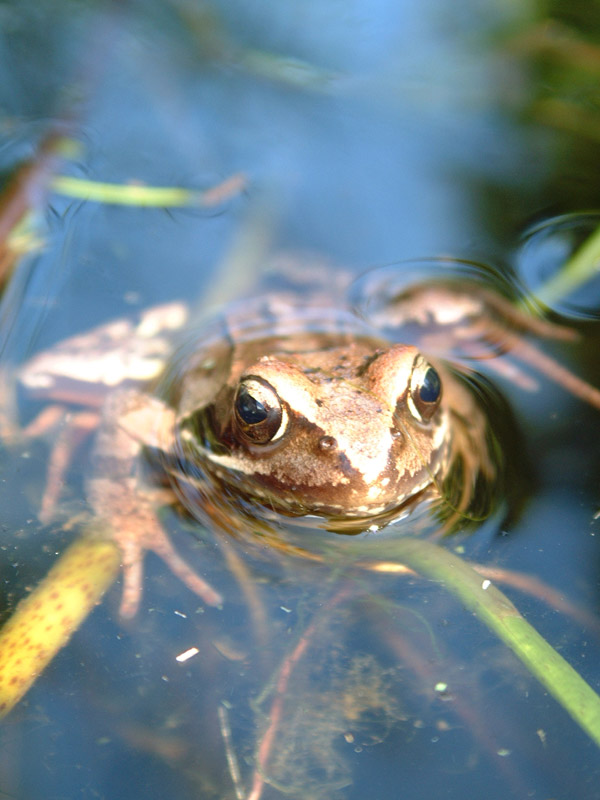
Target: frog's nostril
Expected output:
[327,444]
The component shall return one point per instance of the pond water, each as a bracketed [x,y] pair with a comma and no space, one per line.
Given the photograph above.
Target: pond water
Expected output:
[369,134]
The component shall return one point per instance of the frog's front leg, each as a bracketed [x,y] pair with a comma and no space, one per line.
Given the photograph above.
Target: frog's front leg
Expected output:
[123,504]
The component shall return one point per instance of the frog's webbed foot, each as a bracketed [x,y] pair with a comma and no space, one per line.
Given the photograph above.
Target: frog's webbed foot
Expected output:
[121,501]
[532,355]
[473,323]
[64,431]
[139,531]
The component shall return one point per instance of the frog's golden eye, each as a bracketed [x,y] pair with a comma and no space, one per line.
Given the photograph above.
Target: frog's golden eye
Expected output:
[425,390]
[259,413]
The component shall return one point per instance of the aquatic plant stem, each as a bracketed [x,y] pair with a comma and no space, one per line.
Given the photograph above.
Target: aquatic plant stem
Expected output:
[45,620]
[143,196]
[280,689]
[496,611]
[583,265]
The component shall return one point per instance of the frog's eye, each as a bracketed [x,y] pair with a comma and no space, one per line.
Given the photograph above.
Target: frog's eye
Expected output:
[425,390]
[258,411]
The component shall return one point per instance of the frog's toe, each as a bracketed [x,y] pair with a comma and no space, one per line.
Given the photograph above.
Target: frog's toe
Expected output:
[133,573]
[180,568]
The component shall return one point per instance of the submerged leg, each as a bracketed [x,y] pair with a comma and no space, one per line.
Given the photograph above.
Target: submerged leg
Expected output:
[125,505]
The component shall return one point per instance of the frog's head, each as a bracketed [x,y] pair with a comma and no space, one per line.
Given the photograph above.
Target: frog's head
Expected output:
[348,431]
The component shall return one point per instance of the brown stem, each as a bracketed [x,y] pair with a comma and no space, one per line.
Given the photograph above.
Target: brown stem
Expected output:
[283,680]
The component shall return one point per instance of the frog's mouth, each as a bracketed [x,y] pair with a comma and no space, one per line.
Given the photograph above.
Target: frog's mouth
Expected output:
[212,490]
[248,515]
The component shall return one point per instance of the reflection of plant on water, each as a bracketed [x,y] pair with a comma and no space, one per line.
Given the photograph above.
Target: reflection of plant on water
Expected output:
[328,690]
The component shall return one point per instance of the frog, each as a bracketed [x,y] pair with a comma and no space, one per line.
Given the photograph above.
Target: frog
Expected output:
[282,407]
[331,422]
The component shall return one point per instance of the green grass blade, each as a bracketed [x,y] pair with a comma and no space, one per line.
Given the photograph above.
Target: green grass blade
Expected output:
[496,611]
[583,265]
